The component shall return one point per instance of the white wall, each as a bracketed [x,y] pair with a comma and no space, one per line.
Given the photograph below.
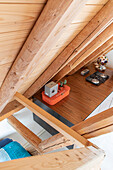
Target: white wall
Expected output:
[105,141]
[110,59]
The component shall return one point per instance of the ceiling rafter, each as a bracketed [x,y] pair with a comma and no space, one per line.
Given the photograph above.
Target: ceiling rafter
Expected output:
[88,52]
[53,18]
[105,48]
[102,20]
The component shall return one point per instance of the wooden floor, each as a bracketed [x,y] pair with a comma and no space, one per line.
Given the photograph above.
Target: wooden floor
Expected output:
[84,97]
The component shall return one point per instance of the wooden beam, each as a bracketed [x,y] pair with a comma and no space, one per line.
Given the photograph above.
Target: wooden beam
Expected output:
[90,32]
[99,124]
[104,52]
[81,158]
[106,47]
[98,121]
[22,1]
[25,132]
[10,109]
[99,132]
[88,52]
[52,121]
[55,142]
[107,37]
[53,18]
[69,68]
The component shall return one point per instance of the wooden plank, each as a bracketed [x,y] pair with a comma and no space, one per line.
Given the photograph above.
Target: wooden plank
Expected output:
[98,121]
[92,127]
[14,32]
[25,132]
[10,109]
[88,13]
[85,17]
[96,2]
[93,8]
[13,35]
[93,56]
[64,40]
[81,158]
[16,17]
[4,68]
[17,13]
[94,45]
[22,12]
[18,26]
[99,132]
[10,46]
[5,65]
[22,1]
[89,33]
[104,52]
[52,121]
[3,71]
[55,142]
[91,51]
[87,62]
[8,57]
[11,43]
[38,43]
[44,1]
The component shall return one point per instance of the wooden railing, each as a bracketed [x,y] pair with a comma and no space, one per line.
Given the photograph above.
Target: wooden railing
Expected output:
[86,156]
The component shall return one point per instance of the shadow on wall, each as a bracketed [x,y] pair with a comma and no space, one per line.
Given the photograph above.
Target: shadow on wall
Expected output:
[110,59]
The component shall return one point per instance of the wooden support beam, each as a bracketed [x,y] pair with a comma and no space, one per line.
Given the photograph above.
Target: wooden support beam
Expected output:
[99,124]
[55,142]
[88,62]
[52,121]
[81,158]
[104,52]
[102,19]
[96,122]
[94,48]
[69,69]
[10,109]
[99,132]
[25,132]
[48,28]
[107,37]
[104,49]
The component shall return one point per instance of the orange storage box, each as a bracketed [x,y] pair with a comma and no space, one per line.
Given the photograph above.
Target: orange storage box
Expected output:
[62,93]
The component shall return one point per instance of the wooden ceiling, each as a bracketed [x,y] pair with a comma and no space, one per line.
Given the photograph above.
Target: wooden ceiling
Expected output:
[69,32]
[17,19]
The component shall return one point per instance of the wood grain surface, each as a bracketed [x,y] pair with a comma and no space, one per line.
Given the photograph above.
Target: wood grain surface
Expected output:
[84,97]
[81,158]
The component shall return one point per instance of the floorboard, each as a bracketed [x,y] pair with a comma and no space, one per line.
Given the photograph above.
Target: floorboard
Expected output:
[84,97]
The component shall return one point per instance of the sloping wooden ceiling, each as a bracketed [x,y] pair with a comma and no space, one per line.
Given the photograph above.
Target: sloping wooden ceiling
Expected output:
[17,19]
[71,30]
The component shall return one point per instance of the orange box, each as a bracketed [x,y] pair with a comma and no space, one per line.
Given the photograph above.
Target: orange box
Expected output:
[62,93]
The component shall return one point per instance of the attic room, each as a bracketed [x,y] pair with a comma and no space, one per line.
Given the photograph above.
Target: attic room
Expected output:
[56,84]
